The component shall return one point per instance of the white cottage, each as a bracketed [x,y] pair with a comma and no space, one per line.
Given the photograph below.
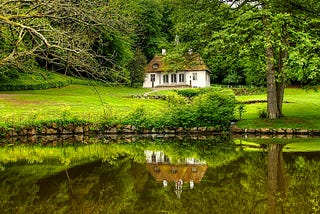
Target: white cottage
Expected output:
[194,74]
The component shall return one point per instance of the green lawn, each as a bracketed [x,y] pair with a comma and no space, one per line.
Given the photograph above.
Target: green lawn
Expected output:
[301,110]
[91,103]
[74,101]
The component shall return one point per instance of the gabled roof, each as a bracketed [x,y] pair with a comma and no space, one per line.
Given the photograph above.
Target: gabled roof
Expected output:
[193,62]
[170,172]
[157,60]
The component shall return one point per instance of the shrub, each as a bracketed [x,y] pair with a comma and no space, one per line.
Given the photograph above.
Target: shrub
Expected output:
[193,92]
[207,109]
[137,117]
[188,93]
[176,100]
[12,79]
[180,116]
[214,109]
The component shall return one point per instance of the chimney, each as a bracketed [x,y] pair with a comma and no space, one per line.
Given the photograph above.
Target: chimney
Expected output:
[163,52]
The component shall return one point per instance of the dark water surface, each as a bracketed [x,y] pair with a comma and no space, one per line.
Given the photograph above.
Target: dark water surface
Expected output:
[216,175]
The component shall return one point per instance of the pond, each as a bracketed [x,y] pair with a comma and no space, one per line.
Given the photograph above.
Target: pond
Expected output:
[217,174]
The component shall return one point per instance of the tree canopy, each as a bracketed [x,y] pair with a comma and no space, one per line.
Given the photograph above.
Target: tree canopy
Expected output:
[267,42]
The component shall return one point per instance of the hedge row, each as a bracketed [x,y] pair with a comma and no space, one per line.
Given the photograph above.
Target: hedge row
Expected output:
[40,86]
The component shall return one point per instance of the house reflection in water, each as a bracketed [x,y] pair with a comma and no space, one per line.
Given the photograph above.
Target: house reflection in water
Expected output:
[187,170]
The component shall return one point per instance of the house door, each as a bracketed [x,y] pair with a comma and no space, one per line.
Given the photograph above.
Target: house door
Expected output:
[153,78]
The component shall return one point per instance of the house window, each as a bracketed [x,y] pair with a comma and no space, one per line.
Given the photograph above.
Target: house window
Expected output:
[173,78]
[165,78]
[156,169]
[194,170]
[181,77]
[166,159]
[153,158]
[194,76]
[174,170]
[155,66]
[153,77]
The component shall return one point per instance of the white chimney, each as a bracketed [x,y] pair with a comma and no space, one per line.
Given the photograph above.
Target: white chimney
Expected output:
[164,52]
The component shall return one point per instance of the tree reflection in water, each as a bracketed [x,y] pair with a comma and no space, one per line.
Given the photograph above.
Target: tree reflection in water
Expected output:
[160,177]
[276,178]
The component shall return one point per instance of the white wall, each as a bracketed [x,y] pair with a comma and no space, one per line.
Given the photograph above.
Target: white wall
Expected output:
[203,79]
[147,80]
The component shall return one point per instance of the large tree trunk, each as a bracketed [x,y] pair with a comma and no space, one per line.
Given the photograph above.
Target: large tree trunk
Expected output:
[275,88]
[280,84]
[272,93]
[280,94]
[283,56]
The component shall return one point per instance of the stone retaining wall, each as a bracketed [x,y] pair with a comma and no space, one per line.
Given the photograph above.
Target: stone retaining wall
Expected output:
[89,129]
[279,131]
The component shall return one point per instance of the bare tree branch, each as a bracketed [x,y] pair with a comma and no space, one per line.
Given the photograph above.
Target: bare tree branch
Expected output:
[60,33]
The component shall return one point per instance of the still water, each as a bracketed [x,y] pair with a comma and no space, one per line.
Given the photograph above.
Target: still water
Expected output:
[219,174]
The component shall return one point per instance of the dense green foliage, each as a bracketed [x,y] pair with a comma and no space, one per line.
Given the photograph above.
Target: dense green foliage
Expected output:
[108,42]
[232,40]
[230,37]
[254,42]
[209,108]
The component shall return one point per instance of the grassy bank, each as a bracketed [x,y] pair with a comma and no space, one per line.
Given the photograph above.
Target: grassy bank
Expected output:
[12,79]
[38,79]
[95,104]
[115,105]
[71,102]
[300,108]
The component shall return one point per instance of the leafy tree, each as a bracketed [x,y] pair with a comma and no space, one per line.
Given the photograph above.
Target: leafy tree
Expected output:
[280,22]
[136,68]
[196,23]
[82,37]
[268,42]
[153,26]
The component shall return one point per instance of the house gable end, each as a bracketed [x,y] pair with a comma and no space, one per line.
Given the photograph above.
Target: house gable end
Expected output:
[155,65]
